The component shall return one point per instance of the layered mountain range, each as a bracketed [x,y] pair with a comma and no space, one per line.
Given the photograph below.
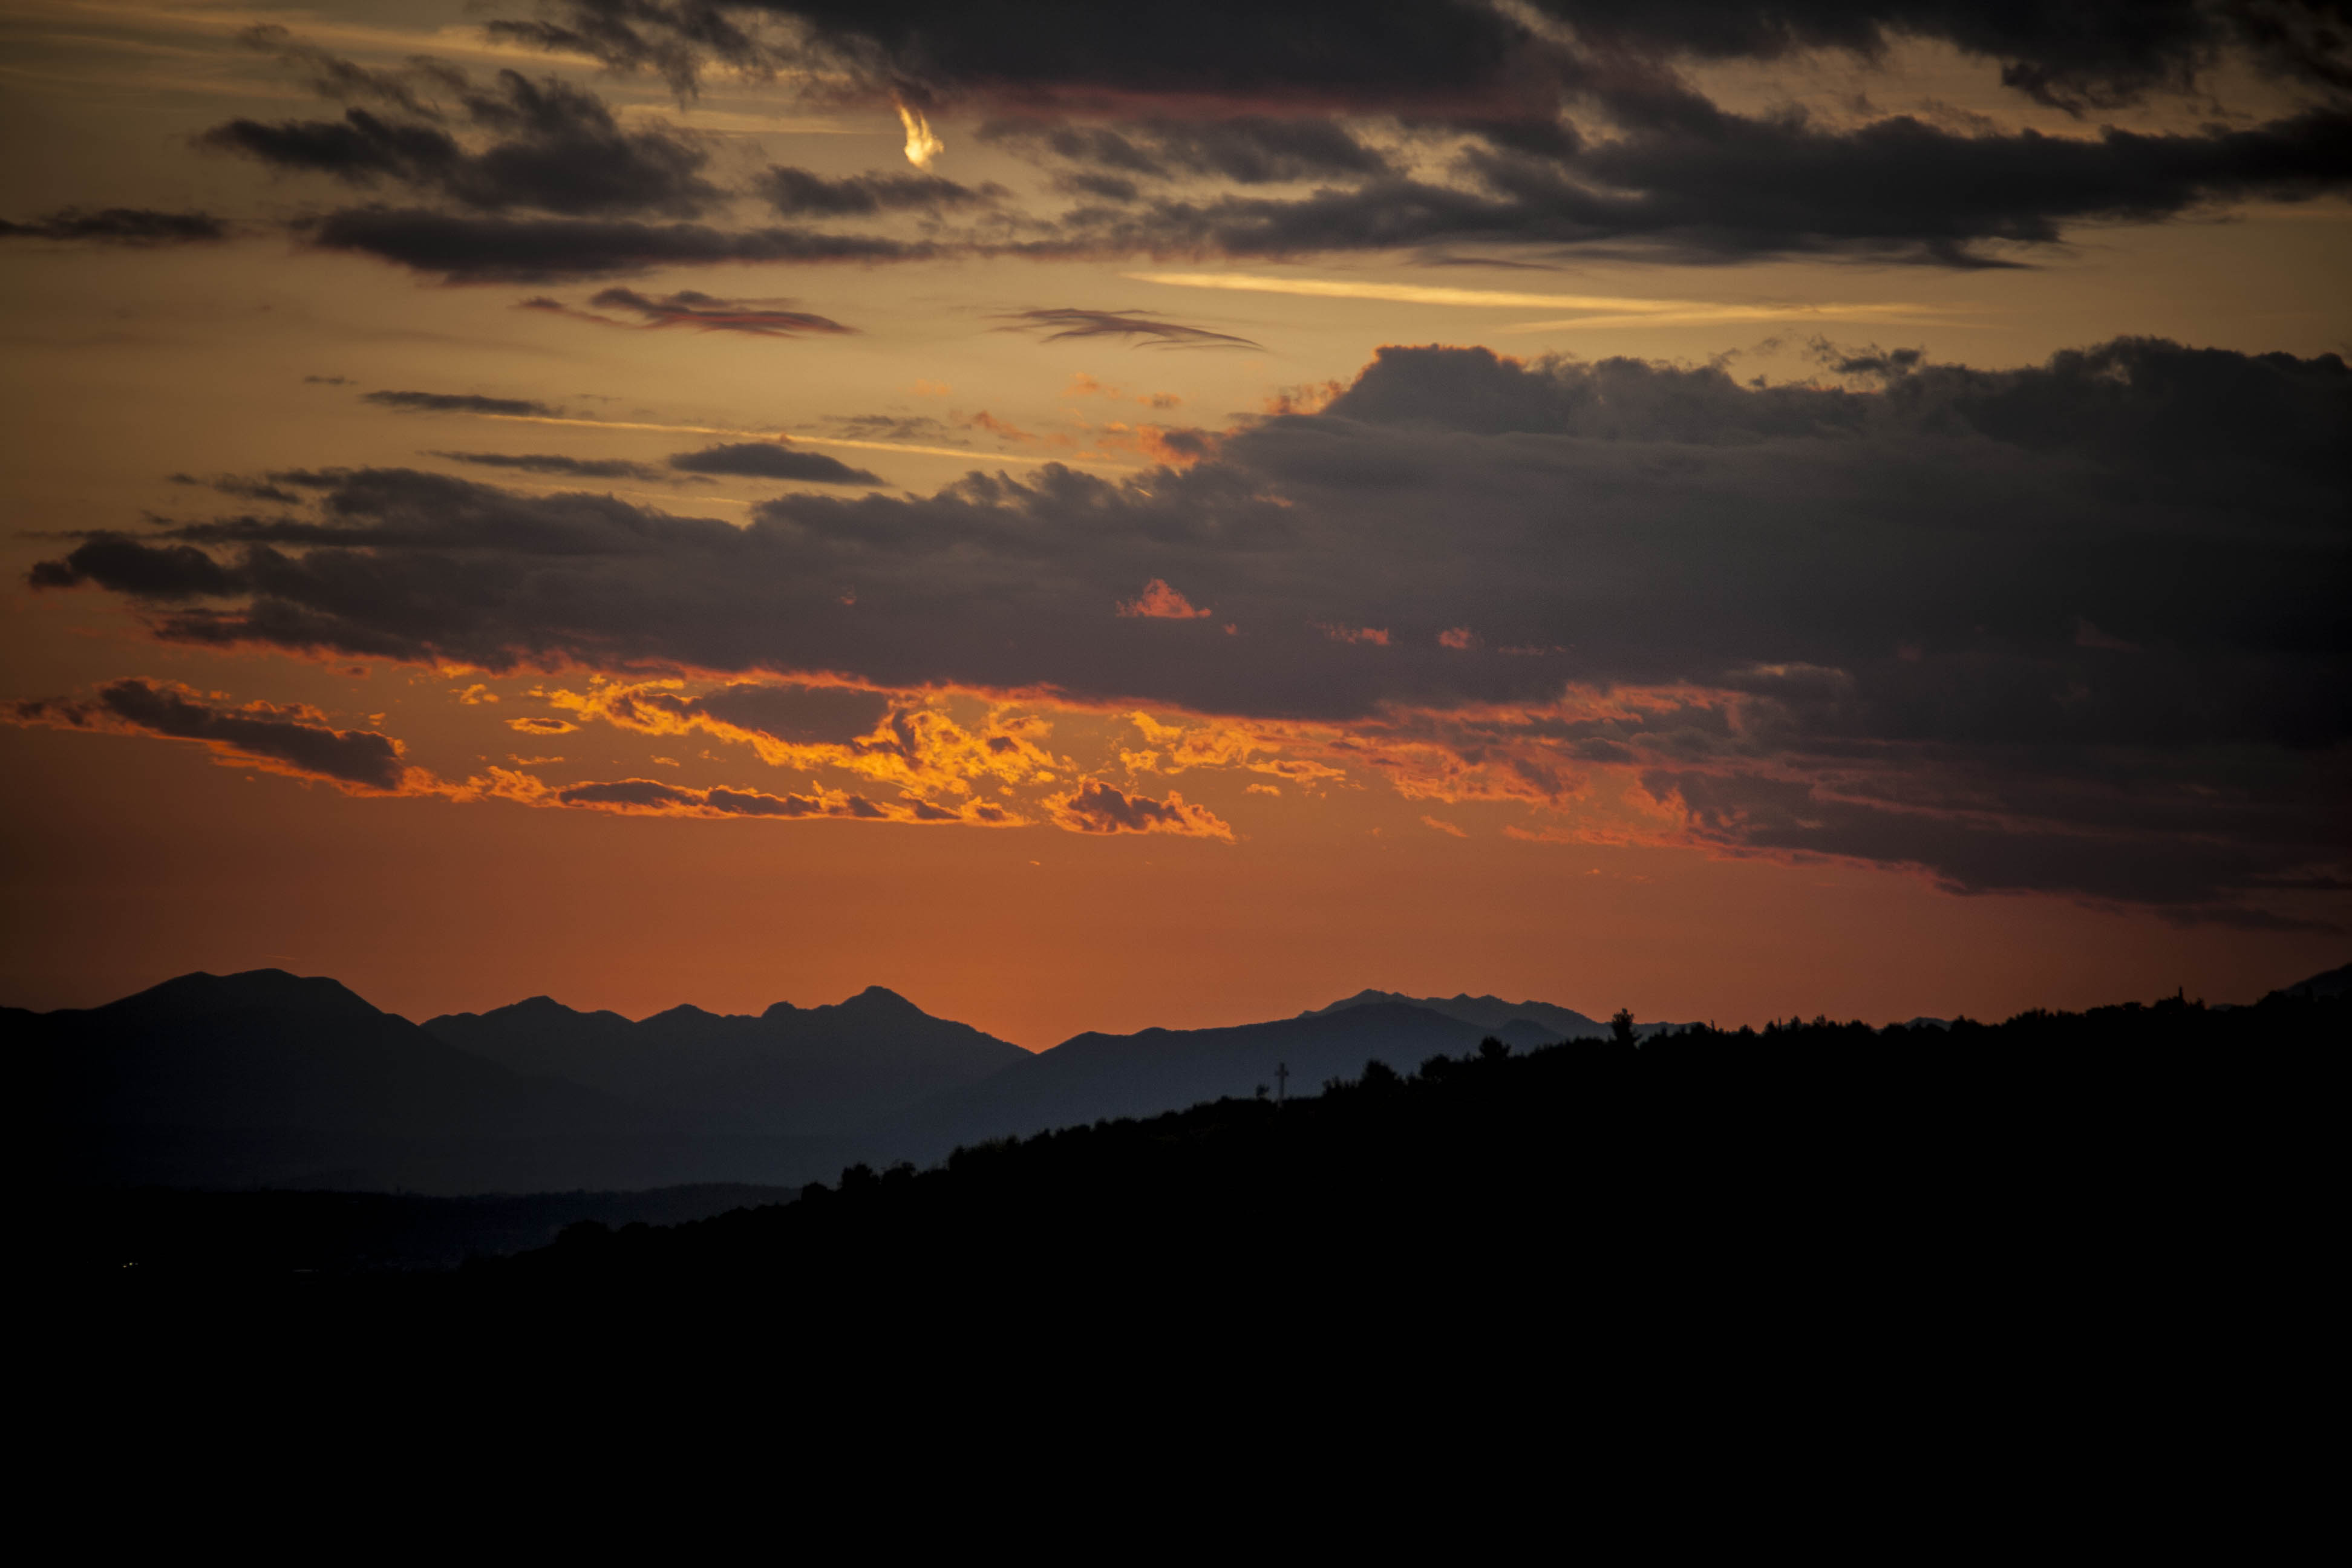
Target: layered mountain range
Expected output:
[270,1080]
[267,1078]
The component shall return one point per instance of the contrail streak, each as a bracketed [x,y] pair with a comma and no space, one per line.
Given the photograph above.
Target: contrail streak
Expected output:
[1620,310]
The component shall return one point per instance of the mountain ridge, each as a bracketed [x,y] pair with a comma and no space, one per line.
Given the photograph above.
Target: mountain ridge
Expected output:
[267,1079]
[828,1071]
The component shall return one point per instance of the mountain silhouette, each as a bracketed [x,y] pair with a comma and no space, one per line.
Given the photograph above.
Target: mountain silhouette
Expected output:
[829,1070]
[265,1079]
[268,1077]
[269,1080]
[266,1048]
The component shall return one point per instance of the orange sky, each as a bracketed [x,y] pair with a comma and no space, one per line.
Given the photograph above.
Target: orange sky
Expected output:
[1412,825]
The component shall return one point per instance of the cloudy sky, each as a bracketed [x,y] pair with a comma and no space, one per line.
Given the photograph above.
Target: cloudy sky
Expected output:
[1097,516]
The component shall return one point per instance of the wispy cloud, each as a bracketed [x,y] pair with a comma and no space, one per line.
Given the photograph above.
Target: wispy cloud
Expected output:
[963,452]
[1057,324]
[688,308]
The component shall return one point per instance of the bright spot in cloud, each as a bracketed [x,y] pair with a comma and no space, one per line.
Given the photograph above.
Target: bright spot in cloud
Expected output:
[922,145]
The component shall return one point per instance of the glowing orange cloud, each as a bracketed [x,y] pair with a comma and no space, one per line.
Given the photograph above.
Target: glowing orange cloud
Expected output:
[917,745]
[988,422]
[1159,602]
[1377,635]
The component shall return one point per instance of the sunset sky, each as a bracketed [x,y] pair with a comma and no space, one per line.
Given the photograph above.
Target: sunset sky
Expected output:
[1100,516]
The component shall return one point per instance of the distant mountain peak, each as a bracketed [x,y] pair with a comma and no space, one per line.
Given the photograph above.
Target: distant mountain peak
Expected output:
[880,996]
[1486,1012]
[247,988]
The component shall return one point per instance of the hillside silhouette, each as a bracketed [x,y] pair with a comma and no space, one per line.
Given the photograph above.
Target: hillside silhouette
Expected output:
[1957,1158]
[1093,1076]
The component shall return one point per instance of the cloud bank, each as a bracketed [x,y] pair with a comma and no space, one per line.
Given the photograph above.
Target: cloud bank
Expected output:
[1907,615]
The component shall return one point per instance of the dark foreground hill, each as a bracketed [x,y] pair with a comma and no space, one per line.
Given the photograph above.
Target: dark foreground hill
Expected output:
[1703,1176]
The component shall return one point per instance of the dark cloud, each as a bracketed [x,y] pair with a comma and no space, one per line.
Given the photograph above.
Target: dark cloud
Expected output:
[331,76]
[1428,50]
[1666,170]
[242,488]
[294,740]
[570,468]
[554,147]
[1056,324]
[2101,595]
[466,249]
[650,794]
[454,403]
[1249,150]
[120,225]
[1736,187]
[896,427]
[1977,852]
[142,571]
[1098,808]
[703,312]
[798,714]
[770,460]
[804,715]
[675,40]
[796,193]
[360,149]
[2086,53]
[1725,187]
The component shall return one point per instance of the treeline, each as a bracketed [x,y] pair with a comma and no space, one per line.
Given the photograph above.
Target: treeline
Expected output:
[1686,1172]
